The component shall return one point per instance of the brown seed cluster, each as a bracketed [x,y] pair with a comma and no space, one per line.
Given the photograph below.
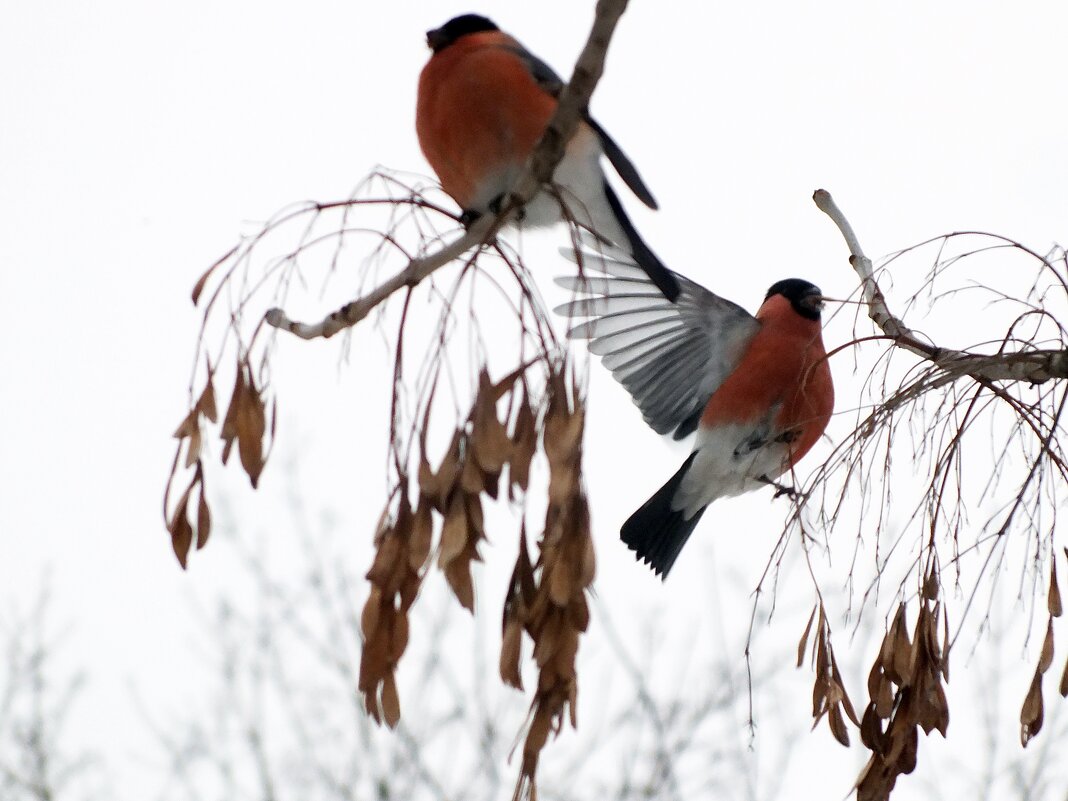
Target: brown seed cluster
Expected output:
[402,548]
[548,600]
[1032,713]
[829,696]
[472,466]
[906,693]
[245,423]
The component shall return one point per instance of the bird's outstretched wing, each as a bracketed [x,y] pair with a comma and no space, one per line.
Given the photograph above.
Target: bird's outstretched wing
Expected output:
[669,356]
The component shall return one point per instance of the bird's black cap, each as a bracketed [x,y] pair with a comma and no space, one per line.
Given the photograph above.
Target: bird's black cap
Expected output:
[805,297]
[440,38]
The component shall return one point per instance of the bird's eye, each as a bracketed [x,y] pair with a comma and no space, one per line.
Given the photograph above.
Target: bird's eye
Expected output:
[813,301]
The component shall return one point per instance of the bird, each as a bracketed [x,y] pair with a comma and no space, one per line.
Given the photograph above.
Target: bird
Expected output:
[483,103]
[756,389]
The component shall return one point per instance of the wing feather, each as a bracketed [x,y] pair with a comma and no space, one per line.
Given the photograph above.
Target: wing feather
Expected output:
[669,356]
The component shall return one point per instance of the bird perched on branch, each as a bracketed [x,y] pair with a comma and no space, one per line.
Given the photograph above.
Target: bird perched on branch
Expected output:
[484,102]
[757,390]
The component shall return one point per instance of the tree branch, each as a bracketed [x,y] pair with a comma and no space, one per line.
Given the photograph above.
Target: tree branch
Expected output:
[574,100]
[1034,366]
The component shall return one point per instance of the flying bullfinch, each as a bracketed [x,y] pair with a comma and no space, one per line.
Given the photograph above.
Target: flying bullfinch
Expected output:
[484,102]
[757,390]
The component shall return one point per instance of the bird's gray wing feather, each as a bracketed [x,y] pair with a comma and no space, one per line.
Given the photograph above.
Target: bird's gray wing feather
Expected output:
[669,356]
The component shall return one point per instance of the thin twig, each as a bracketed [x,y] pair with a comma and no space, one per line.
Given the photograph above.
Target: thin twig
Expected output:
[1034,366]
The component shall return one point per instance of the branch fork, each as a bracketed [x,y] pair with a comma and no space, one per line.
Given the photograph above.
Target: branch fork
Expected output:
[1034,366]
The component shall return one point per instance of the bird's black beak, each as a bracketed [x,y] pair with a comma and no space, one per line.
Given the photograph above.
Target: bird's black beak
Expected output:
[435,39]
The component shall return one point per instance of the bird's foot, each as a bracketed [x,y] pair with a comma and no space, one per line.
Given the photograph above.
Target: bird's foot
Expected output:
[469,217]
[781,489]
[788,437]
[503,201]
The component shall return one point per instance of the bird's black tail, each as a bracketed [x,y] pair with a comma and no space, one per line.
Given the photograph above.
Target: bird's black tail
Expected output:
[656,532]
[659,274]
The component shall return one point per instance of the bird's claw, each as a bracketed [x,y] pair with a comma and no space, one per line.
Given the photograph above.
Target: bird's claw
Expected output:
[781,489]
[789,437]
[469,217]
[503,201]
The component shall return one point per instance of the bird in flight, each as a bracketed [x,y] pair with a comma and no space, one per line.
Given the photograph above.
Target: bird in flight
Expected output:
[483,103]
[757,390]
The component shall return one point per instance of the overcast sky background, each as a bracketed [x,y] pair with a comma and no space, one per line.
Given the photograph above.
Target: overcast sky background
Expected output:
[140,139]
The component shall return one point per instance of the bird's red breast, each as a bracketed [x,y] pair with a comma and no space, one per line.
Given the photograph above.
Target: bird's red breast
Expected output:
[479,114]
[785,363]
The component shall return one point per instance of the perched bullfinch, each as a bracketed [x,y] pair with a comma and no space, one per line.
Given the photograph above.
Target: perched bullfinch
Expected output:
[757,390]
[484,102]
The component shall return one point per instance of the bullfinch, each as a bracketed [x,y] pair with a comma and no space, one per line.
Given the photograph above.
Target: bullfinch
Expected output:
[484,101]
[757,390]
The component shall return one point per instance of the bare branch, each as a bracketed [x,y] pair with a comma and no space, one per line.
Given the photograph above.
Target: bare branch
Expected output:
[1034,366]
[574,99]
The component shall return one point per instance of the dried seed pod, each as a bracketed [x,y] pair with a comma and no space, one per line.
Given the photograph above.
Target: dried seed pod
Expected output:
[566,651]
[837,725]
[398,638]
[390,701]
[511,645]
[205,404]
[871,731]
[181,530]
[437,487]
[454,531]
[188,425]
[409,590]
[228,431]
[901,651]
[422,535]
[458,574]
[490,443]
[374,663]
[472,479]
[563,434]
[476,529]
[369,616]
[588,560]
[251,425]
[557,611]
[562,582]
[1064,681]
[385,561]
[804,638]
[578,613]
[917,668]
[203,519]
[1053,600]
[1031,713]
[1045,659]
[394,578]
[524,444]
[883,698]
[545,642]
[537,735]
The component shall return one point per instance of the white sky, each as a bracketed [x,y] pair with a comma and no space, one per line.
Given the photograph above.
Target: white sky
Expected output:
[138,139]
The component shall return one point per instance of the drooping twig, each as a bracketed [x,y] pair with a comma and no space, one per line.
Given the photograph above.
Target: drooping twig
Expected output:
[574,99]
[1034,366]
